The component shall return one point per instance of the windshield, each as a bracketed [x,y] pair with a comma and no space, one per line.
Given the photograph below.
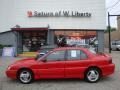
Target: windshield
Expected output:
[45,50]
[39,56]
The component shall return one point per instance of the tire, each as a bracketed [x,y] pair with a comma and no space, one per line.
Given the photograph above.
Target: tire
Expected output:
[118,49]
[25,76]
[92,75]
[111,49]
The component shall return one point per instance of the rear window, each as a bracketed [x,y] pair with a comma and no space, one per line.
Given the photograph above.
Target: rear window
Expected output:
[92,51]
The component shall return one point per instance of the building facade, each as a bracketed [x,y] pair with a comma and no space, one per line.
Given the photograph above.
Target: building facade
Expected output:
[40,22]
[115,35]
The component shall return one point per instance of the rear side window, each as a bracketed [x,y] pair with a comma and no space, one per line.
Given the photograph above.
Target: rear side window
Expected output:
[73,54]
[83,55]
[76,55]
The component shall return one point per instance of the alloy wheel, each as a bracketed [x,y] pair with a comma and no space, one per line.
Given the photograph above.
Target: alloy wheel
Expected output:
[93,75]
[25,76]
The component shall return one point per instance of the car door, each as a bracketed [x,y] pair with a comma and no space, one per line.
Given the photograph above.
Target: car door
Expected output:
[76,63]
[54,65]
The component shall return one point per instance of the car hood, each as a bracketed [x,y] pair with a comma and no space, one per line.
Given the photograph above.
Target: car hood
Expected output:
[25,61]
[118,45]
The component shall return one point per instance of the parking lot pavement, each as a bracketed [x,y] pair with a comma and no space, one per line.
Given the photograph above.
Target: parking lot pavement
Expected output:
[108,83]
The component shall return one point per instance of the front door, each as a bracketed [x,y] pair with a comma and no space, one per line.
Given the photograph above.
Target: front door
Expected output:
[54,65]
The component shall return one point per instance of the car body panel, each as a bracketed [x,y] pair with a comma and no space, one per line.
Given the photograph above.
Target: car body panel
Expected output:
[107,69]
[11,74]
[49,69]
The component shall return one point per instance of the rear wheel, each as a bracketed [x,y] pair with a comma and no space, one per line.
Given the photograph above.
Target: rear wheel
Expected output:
[92,75]
[25,76]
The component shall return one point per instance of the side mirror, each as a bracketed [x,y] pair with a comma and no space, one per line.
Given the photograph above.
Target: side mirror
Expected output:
[36,57]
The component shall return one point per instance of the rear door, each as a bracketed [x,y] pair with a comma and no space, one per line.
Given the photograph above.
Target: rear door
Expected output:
[76,63]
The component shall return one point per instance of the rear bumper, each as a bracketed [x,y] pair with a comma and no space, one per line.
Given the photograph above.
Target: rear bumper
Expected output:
[11,74]
[108,69]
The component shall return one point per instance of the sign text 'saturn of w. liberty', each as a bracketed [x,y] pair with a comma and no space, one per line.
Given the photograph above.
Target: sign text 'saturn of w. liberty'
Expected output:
[58,14]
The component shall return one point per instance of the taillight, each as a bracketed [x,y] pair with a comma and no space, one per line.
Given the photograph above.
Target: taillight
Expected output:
[110,61]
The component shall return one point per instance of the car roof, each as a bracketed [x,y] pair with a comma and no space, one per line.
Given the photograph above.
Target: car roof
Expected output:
[67,48]
[75,48]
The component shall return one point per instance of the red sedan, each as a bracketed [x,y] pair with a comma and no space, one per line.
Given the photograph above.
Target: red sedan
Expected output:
[67,62]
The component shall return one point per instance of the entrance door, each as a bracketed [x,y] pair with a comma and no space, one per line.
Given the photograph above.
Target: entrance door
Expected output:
[33,40]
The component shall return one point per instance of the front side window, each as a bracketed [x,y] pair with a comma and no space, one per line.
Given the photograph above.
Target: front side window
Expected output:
[76,55]
[56,56]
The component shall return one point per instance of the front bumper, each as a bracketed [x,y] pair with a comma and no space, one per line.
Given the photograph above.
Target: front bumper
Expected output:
[11,74]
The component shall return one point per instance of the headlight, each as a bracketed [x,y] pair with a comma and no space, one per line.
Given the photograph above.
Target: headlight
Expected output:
[9,67]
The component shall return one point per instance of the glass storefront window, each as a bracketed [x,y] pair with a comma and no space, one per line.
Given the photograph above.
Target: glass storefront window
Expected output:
[32,41]
[87,39]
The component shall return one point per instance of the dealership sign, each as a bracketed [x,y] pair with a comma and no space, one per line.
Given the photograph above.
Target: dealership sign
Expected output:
[58,14]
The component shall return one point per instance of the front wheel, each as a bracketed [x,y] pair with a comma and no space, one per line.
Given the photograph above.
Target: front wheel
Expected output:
[92,75]
[25,76]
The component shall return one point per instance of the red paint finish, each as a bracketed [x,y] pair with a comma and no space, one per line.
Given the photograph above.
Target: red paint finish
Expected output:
[49,69]
[11,74]
[64,68]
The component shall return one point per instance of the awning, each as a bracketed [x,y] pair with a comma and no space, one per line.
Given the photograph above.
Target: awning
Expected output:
[29,29]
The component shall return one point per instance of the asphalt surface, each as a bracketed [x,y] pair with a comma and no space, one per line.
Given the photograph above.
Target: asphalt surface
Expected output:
[111,82]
